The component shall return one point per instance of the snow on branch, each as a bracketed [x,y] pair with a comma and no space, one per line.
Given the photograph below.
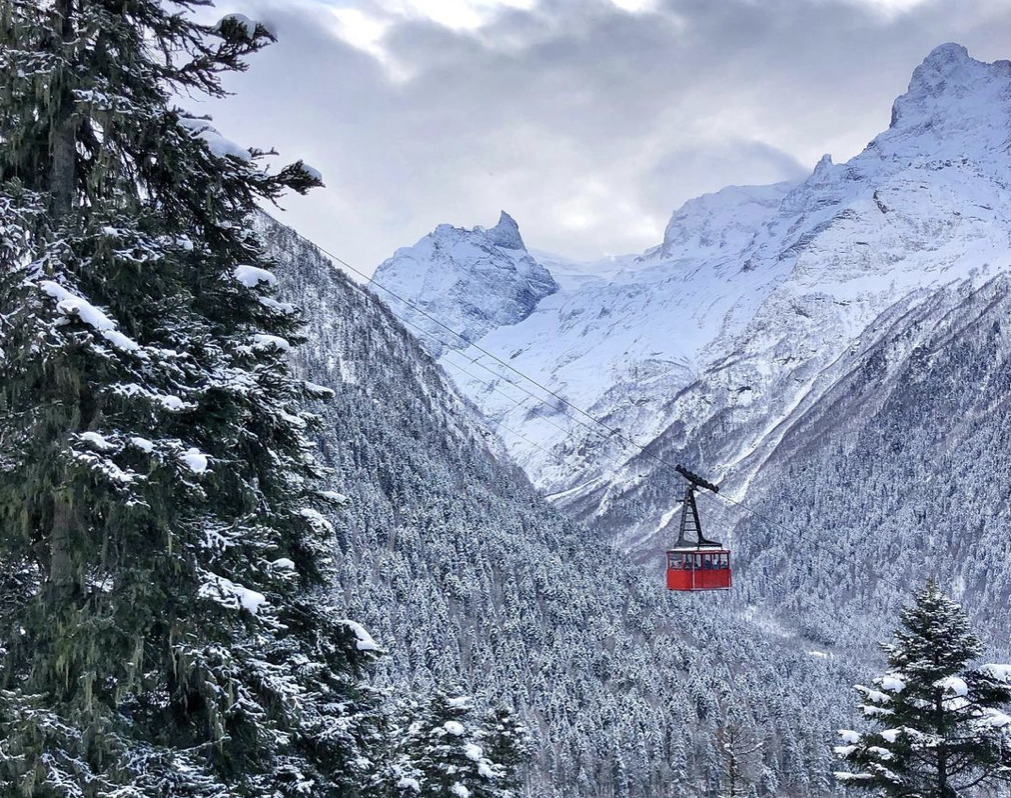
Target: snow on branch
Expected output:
[315,174]
[98,441]
[995,718]
[195,460]
[874,696]
[105,467]
[333,496]
[315,391]
[996,671]
[70,304]
[285,308]
[263,342]
[843,776]
[953,684]
[316,520]
[238,23]
[230,594]
[252,276]
[219,146]
[365,641]
[891,682]
[169,402]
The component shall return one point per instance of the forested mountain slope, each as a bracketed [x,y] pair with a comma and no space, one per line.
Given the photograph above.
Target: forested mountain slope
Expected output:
[904,465]
[466,576]
[832,351]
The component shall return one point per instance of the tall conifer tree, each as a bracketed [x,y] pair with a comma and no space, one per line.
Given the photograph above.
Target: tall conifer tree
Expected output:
[163,628]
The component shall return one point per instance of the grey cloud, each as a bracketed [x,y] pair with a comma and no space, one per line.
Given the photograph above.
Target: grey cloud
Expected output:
[718,163]
[588,124]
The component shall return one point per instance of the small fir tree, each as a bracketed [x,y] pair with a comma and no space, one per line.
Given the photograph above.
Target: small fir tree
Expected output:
[507,744]
[939,725]
[442,753]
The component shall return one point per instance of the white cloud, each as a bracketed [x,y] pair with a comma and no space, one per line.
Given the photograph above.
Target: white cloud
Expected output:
[588,120]
[360,29]
[891,7]
[636,6]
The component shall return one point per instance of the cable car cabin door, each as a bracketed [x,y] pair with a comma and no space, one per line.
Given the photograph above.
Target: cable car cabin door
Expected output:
[698,569]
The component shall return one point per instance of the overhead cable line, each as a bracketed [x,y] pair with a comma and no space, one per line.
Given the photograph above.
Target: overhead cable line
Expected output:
[567,433]
[800,534]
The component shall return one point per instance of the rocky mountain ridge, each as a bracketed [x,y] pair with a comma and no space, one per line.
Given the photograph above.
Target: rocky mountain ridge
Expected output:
[471,280]
[753,296]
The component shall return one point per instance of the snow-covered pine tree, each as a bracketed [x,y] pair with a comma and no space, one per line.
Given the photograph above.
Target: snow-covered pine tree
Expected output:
[442,753]
[741,747]
[163,629]
[940,728]
[506,743]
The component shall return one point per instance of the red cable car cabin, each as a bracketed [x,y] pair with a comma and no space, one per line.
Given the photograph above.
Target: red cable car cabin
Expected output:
[698,568]
[700,564]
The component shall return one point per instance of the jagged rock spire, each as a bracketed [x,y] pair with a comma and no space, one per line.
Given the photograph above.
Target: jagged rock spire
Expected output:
[506,233]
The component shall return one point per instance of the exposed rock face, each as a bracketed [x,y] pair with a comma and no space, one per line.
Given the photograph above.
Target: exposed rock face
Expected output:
[471,280]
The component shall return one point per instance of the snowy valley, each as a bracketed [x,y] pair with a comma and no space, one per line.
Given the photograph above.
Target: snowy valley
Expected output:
[270,532]
[777,334]
[466,577]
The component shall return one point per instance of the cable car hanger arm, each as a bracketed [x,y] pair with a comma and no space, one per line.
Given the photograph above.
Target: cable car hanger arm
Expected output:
[690,521]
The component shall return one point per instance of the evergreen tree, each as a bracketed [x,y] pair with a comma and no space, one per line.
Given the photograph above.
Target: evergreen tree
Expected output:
[164,629]
[507,744]
[939,725]
[442,753]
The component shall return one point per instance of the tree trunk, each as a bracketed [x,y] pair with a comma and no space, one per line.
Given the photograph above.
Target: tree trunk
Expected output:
[61,565]
[64,133]
[942,749]
[62,178]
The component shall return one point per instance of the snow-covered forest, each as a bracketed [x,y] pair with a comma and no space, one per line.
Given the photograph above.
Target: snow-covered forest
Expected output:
[259,540]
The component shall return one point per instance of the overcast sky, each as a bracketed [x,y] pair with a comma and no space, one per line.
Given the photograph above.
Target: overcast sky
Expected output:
[588,120]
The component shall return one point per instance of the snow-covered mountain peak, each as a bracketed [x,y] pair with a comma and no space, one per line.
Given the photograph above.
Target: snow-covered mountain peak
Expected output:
[724,220]
[955,106]
[707,344]
[506,233]
[823,167]
[472,280]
